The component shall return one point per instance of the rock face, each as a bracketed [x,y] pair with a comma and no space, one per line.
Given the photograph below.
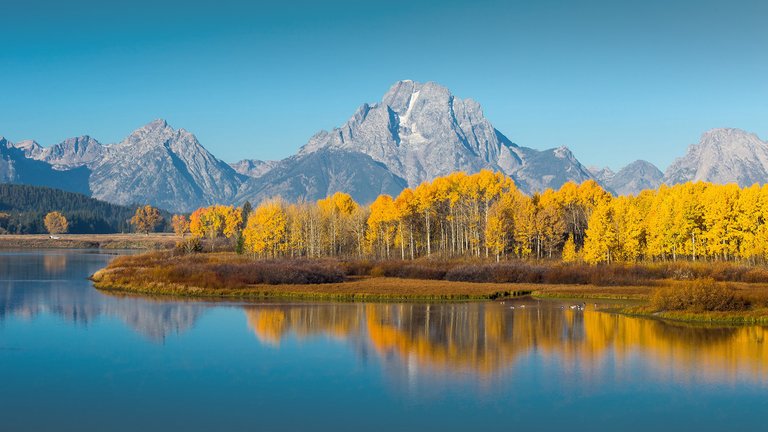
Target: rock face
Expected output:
[317,174]
[166,167]
[630,180]
[155,165]
[73,152]
[420,131]
[253,167]
[722,156]
[16,167]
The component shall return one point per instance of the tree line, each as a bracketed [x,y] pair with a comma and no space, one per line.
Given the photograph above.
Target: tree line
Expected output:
[485,215]
[23,209]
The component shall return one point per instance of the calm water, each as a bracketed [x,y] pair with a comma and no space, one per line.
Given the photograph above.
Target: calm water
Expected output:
[72,358]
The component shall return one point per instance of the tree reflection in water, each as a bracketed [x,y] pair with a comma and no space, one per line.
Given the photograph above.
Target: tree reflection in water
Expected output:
[486,339]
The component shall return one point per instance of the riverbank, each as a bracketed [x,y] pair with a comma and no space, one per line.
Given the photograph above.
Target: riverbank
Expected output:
[156,241]
[756,294]
[228,275]
[357,289]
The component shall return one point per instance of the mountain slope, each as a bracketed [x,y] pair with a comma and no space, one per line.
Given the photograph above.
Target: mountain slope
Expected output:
[630,180]
[420,131]
[253,167]
[722,156]
[315,175]
[16,167]
[165,167]
[73,152]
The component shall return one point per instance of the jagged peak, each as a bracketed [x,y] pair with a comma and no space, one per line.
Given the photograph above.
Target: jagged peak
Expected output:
[403,93]
[28,144]
[563,152]
[157,124]
[725,135]
[80,139]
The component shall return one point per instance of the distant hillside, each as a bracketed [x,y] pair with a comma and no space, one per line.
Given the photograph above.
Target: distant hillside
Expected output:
[26,206]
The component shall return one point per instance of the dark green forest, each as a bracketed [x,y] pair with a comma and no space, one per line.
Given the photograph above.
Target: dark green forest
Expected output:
[23,207]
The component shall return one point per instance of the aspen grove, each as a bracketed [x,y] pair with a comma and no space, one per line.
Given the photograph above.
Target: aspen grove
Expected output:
[484,215]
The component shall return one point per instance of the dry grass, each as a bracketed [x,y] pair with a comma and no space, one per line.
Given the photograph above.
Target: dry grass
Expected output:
[227,275]
[86,241]
[703,295]
[556,272]
[364,288]
[220,270]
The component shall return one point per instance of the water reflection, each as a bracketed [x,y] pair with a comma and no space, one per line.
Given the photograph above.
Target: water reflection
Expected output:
[53,282]
[481,340]
[487,339]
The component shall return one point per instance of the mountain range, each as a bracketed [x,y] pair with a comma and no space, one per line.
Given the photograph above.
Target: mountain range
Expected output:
[417,132]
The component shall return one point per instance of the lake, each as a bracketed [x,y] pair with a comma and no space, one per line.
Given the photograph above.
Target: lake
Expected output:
[72,358]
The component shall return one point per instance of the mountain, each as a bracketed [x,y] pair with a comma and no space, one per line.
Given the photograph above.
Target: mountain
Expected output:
[418,131]
[73,152]
[165,167]
[722,156]
[31,149]
[315,175]
[17,168]
[630,180]
[253,167]
[155,165]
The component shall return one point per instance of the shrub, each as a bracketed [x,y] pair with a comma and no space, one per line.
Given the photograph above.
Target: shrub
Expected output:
[698,296]
[188,246]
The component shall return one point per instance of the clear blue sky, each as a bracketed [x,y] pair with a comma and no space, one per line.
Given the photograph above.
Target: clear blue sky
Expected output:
[613,80]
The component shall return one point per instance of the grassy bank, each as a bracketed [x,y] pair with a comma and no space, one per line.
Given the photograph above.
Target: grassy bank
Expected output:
[738,296]
[88,241]
[360,289]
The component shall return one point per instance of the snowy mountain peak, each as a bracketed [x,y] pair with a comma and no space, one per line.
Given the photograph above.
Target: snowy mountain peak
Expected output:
[420,131]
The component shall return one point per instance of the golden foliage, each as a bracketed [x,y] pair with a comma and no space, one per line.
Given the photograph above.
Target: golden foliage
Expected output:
[56,223]
[485,215]
[146,219]
[265,234]
[180,225]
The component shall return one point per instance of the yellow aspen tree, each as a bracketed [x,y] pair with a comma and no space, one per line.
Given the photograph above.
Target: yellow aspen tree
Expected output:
[266,230]
[381,223]
[600,241]
[570,254]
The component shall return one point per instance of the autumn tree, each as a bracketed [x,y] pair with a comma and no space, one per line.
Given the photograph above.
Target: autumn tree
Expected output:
[180,225]
[600,242]
[216,221]
[265,234]
[56,223]
[146,219]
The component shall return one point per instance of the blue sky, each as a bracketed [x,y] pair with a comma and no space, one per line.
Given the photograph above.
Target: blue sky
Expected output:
[613,80]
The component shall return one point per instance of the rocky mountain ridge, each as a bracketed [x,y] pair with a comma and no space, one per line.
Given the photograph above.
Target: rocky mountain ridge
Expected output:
[418,131]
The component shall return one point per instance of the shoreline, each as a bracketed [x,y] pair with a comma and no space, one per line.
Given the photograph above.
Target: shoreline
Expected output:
[348,292]
[229,276]
[362,289]
[156,241]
